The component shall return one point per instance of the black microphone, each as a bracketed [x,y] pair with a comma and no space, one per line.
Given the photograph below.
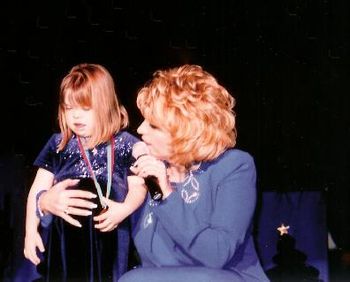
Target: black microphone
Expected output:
[139,150]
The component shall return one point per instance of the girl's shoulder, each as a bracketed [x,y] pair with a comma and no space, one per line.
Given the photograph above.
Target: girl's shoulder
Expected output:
[53,141]
[124,136]
[123,144]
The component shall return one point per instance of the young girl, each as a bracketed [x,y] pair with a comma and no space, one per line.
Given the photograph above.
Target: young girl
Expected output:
[94,148]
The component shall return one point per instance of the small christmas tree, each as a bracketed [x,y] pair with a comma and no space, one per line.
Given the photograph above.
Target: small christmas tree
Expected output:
[290,263]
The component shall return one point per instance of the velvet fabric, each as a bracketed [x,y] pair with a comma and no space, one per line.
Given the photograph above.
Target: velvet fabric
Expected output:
[83,254]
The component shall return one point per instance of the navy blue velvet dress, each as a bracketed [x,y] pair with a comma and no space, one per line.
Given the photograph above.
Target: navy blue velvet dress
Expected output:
[86,254]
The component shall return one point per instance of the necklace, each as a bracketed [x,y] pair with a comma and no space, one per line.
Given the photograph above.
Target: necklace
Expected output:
[110,165]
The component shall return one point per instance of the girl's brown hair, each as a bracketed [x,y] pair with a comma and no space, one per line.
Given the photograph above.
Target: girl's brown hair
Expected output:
[92,86]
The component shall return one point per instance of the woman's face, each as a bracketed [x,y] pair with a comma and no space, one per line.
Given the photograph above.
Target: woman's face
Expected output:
[80,120]
[157,140]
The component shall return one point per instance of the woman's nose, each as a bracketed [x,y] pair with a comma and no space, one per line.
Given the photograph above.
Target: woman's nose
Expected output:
[141,128]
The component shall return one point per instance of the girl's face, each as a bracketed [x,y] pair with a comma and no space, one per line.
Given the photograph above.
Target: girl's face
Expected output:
[80,120]
[157,140]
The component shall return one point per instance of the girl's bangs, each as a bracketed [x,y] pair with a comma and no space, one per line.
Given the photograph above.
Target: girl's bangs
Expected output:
[80,97]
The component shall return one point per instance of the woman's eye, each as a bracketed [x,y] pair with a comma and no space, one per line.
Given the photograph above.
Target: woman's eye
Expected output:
[153,126]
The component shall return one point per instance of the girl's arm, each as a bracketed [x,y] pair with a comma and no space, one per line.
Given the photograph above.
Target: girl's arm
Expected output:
[43,181]
[117,212]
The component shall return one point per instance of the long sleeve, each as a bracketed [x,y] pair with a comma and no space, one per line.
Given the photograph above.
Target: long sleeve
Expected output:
[212,231]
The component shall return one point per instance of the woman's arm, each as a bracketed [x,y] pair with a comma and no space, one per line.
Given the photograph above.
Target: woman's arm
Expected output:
[212,233]
[63,202]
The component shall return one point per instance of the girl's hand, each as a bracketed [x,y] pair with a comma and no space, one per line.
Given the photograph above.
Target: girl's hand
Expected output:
[33,241]
[114,215]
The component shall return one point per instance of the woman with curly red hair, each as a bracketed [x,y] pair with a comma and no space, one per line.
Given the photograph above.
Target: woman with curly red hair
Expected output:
[201,229]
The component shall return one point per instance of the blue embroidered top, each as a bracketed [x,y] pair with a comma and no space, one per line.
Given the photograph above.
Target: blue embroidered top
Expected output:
[206,221]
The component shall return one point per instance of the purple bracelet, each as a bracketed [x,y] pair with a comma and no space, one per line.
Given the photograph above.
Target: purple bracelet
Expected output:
[38,211]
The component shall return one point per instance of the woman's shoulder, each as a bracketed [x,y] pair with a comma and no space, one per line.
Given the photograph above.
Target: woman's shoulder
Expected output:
[231,160]
[233,157]
[237,155]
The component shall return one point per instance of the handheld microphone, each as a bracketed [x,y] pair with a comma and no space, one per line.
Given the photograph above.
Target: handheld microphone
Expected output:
[139,150]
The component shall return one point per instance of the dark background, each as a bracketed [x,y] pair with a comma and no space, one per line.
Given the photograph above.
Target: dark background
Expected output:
[285,62]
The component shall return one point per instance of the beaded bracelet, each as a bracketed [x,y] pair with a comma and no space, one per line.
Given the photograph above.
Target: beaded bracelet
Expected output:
[39,212]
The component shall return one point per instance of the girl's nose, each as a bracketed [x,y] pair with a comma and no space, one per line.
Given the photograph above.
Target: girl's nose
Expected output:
[76,113]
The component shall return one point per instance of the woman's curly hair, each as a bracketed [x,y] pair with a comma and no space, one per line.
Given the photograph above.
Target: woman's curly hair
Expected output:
[194,108]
